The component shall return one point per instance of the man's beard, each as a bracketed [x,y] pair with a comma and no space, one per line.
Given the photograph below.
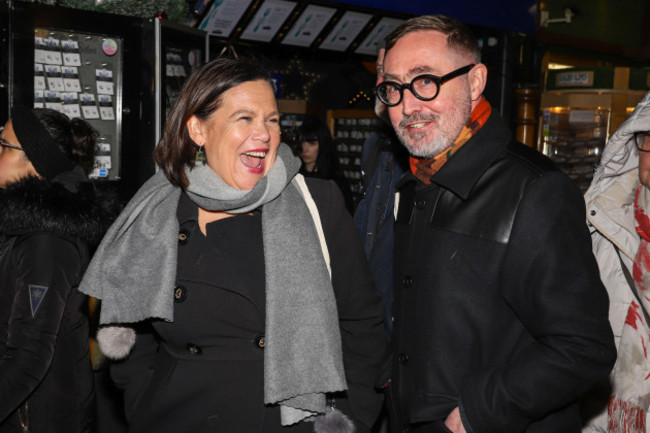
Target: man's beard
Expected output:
[448,127]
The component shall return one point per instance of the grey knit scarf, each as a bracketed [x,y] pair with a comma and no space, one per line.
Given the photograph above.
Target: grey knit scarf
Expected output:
[134,269]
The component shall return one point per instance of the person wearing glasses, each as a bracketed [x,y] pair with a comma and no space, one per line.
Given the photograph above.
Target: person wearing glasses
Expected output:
[50,220]
[500,315]
[618,203]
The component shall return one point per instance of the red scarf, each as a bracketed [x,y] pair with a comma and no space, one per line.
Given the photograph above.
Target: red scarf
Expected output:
[424,168]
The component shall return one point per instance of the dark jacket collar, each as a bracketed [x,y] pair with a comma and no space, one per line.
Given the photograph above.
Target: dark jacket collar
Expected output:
[465,168]
[187,210]
[34,204]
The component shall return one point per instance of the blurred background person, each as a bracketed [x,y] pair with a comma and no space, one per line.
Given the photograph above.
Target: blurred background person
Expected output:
[383,162]
[221,279]
[50,220]
[317,151]
[617,212]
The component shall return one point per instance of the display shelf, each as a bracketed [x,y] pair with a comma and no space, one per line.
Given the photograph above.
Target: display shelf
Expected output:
[576,124]
[350,129]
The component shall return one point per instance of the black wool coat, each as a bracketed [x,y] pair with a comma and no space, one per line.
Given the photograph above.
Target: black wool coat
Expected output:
[204,371]
[499,307]
[46,235]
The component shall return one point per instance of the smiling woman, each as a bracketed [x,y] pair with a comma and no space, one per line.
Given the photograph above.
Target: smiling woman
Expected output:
[257,274]
[241,138]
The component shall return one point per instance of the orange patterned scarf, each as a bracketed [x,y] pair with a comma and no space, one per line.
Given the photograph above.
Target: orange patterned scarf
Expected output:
[424,168]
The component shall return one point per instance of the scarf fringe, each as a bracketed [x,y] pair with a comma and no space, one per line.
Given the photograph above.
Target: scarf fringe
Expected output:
[625,417]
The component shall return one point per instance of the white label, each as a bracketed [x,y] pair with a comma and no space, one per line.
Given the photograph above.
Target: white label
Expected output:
[90,112]
[577,78]
[581,116]
[71,59]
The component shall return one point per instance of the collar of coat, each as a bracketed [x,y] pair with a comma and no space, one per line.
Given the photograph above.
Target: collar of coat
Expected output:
[34,204]
[461,173]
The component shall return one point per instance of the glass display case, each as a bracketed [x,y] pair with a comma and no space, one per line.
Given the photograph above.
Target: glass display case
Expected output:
[574,137]
[576,122]
[79,74]
[88,65]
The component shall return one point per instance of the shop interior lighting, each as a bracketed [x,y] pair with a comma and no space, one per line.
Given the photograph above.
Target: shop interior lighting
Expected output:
[559,66]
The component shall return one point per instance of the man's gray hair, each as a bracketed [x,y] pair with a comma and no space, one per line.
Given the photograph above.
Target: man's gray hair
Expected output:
[459,37]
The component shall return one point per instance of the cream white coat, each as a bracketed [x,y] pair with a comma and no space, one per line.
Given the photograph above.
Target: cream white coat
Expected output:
[610,215]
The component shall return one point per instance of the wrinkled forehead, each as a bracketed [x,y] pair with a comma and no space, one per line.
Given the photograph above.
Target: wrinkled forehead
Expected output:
[417,53]
[411,73]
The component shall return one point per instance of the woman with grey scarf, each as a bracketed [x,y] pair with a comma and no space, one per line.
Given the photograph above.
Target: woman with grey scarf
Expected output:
[235,294]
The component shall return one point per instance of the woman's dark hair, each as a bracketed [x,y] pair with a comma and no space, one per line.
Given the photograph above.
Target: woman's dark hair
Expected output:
[327,162]
[200,96]
[75,137]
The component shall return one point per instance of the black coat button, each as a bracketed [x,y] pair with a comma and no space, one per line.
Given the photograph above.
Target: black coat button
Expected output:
[180,293]
[407,281]
[183,236]
[259,341]
[420,203]
[403,358]
[194,349]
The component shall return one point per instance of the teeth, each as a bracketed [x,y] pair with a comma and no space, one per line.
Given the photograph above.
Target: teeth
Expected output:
[255,154]
[417,125]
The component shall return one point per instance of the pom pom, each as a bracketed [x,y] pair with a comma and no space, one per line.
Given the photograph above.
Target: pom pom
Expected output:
[333,421]
[116,341]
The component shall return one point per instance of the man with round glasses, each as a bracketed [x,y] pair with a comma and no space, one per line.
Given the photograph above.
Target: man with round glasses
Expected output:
[500,315]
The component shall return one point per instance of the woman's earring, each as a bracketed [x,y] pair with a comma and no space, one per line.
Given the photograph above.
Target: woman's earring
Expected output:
[199,158]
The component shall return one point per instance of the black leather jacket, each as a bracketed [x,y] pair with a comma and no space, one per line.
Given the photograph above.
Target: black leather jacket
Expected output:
[499,309]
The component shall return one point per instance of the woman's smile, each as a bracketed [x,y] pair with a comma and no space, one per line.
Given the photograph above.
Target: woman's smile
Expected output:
[241,138]
[254,160]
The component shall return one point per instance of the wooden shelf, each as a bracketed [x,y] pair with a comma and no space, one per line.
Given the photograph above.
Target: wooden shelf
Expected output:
[298,106]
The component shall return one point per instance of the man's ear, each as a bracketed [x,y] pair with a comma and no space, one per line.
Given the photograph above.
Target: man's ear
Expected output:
[195,130]
[477,81]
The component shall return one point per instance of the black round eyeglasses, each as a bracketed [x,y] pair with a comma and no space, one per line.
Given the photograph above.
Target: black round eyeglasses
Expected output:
[424,87]
[642,140]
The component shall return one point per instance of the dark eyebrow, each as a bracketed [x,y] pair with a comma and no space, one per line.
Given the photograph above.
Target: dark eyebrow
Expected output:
[252,113]
[418,70]
[240,112]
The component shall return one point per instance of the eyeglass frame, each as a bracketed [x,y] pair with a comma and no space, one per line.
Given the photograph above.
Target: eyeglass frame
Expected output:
[436,79]
[5,143]
[645,136]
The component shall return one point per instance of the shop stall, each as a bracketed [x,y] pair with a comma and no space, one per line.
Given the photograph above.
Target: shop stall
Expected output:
[580,109]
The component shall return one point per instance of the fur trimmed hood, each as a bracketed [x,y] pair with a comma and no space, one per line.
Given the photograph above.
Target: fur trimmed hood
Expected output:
[34,204]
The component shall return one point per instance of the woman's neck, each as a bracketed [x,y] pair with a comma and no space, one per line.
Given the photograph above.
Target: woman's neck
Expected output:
[310,167]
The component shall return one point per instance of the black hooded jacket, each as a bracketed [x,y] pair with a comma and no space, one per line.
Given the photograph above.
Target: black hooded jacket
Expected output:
[47,234]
